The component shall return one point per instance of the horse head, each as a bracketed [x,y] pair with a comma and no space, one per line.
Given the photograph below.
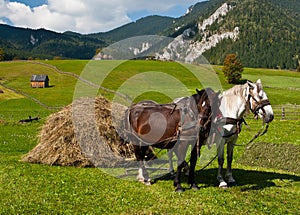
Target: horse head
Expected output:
[258,101]
[208,107]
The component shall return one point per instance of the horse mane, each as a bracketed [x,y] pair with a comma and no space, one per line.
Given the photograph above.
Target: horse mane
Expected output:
[231,94]
[197,96]
[237,90]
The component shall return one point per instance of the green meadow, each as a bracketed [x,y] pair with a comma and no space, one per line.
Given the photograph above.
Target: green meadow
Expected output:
[267,172]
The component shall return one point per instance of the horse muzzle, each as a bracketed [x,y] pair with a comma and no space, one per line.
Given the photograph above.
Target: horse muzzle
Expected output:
[268,118]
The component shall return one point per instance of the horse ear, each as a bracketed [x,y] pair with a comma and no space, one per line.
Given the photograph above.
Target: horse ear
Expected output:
[247,90]
[251,85]
[259,84]
[197,91]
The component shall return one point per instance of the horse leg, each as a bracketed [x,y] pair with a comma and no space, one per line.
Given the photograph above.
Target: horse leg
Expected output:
[180,153]
[229,176]
[186,168]
[171,167]
[220,178]
[193,162]
[140,152]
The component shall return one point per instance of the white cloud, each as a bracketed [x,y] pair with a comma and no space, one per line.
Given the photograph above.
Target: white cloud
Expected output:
[84,16]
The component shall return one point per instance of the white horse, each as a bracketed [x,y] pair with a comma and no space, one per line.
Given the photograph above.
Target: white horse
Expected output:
[235,102]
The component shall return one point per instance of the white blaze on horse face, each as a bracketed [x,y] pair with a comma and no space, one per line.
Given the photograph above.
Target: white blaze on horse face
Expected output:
[203,104]
[267,113]
[158,126]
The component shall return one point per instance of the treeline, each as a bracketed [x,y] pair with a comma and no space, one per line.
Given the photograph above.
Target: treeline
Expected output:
[269,36]
[150,25]
[20,43]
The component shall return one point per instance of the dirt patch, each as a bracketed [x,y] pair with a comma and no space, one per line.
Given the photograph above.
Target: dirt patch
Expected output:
[270,155]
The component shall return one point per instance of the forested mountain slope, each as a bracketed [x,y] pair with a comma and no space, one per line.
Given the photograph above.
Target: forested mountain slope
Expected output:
[263,33]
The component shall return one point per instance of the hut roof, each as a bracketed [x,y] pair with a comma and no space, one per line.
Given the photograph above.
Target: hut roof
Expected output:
[39,78]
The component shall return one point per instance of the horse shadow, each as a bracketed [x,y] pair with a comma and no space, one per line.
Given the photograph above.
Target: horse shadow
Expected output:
[246,179]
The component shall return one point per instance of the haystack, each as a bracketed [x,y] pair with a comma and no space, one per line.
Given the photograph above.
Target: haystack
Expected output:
[82,135]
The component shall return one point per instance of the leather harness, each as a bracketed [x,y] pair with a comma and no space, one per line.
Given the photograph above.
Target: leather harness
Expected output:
[238,122]
[189,120]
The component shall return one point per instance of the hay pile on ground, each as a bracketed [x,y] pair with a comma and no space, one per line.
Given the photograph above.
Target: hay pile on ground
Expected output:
[81,135]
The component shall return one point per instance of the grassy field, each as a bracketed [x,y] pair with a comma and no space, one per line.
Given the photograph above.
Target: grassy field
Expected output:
[268,175]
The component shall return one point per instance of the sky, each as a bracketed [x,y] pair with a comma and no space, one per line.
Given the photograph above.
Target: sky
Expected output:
[85,16]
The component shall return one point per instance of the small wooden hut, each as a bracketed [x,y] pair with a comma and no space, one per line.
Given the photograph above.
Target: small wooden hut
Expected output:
[39,81]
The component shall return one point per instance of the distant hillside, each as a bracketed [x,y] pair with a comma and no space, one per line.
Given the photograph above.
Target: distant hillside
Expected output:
[24,43]
[150,25]
[263,33]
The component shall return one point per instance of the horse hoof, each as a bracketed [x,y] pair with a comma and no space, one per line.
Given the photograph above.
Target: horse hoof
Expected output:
[145,181]
[194,187]
[223,185]
[148,183]
[179,190]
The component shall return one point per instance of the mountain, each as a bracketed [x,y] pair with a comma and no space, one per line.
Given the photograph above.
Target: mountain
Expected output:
[150,25]
[263,33]
[24,43]
[268,34]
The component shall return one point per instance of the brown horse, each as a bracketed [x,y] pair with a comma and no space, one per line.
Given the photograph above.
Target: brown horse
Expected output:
[173,126]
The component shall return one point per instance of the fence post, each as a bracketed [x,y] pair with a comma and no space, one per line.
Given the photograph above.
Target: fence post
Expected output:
[283,113]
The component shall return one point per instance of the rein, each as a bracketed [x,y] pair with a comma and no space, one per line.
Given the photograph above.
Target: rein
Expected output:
[259,106]
[260,133]
[227,120]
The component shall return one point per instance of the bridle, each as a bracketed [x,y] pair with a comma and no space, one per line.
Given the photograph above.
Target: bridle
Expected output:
[259,105]
[209,119]
[255,107]
[195,118]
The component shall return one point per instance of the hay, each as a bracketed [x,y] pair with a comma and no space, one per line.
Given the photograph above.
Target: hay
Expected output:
[81,135]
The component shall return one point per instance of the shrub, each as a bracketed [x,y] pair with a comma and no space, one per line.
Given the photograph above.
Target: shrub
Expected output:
[232,69]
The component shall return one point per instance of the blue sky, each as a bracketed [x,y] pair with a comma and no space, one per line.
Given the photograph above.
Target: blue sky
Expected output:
[32,3]
[85,16]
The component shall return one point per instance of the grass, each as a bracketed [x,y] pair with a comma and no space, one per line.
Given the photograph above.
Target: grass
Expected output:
[17,76]
[282,86]
[263,187]
[8,94]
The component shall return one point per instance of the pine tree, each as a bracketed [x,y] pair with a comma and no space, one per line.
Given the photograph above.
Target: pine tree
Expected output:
[232,69]
[1,54]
